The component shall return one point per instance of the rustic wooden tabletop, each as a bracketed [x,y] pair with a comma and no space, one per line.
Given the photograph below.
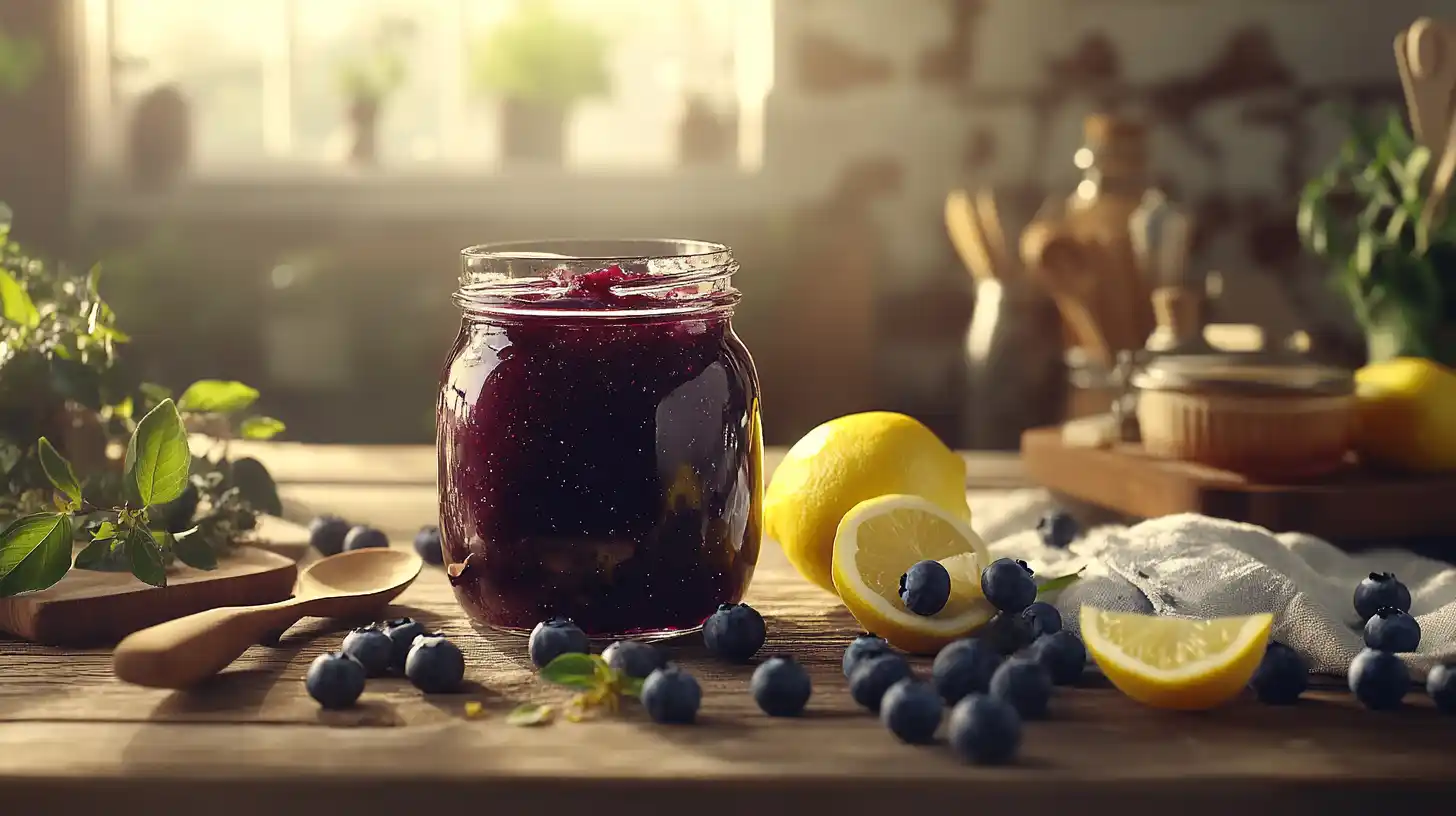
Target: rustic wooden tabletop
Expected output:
[74,740]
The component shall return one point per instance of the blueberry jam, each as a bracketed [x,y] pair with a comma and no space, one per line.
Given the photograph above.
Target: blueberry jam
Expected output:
[600,456]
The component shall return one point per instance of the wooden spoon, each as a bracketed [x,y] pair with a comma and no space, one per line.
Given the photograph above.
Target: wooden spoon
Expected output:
[988,214]
[186,651]
[966,236]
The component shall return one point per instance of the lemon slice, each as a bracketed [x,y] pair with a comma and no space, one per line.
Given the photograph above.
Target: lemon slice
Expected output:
[1176,662]
[878,540]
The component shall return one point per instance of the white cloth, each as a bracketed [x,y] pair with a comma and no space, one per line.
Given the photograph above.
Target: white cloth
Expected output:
[1196,566]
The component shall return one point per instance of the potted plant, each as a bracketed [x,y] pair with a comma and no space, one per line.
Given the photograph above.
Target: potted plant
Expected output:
[367,77]
[538,63]
[91,456]
[1362,215]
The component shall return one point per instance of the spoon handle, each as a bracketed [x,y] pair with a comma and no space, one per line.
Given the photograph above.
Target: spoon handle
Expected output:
[186,651]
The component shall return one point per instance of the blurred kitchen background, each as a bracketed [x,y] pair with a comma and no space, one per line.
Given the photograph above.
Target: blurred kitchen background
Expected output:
[278,188]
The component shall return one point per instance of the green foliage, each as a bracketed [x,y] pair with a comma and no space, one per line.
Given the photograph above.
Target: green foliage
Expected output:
[381,67]
[20,63]
[1363,216]
[67,402]
[541,54]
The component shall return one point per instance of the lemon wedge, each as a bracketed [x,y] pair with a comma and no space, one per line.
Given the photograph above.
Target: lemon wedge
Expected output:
[1177,663]
[880,538]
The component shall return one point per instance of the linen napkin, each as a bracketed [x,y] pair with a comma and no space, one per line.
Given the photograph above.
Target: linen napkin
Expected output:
[1195,566]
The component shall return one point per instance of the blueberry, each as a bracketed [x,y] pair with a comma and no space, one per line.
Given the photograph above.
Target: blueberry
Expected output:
[1392,630]
[435,665]
[781,686]
[874,676]
[1062,655]
[364,537]
[1058,529]
[925,587]
[402,633]
[371,648]
[862,648]
[985,730]
[634,658]
[1281,677]
[335,680]
[555,637]
[1441,685]
[671,696]
[326,534]
[427,544]
[1043,617]
[1025,684]
[735,632]
[1008,633]
[1378,679]
[912,711]
[964,667]
[1379,590]
[1007,585]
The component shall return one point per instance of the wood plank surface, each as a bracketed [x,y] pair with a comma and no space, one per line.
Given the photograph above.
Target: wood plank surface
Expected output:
[74,740]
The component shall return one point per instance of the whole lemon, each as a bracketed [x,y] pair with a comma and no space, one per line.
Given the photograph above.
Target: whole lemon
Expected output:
[846,461]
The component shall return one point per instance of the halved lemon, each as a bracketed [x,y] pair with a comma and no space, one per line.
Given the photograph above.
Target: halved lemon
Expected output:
[880,538]
[1176,663]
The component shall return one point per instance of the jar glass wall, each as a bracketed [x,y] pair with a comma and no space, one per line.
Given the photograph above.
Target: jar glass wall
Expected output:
[600,454]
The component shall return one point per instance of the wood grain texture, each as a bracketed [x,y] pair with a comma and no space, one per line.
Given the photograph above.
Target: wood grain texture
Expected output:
[252,741]
[1351,506]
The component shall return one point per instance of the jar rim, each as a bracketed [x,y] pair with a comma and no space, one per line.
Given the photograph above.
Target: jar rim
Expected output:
[523,277]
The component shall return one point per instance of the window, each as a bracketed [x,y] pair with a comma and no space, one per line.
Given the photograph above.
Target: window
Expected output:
[262,82]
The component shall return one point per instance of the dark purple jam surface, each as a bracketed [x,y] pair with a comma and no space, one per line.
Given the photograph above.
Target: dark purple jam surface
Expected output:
[606,470]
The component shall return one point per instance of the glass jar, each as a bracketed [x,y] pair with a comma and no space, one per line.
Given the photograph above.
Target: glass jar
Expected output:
[600,452]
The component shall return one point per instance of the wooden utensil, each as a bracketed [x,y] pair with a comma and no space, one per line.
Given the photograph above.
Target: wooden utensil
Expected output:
[1069,271]
[186,651]
[1425,54]
[965,233]
[989,217]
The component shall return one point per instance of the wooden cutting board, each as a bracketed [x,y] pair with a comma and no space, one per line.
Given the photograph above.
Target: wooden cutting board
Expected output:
[94,608]
[1354,506]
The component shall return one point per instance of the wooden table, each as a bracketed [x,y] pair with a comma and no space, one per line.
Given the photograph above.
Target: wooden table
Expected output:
[73,740]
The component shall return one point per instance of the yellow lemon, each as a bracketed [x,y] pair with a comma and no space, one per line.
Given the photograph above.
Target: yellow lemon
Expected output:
[844,462]
[881,538]
[1176,663]
[1406,415]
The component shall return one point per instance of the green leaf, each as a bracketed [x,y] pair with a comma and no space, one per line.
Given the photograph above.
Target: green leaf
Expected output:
[59,471]
[255,484]
[1364,257]
[631,686]
[145,556]
[157,457]
[104,530]
[261,427]
[194,551]
[217,397]
[1060,582]
[35,553]
[97,556]
[18,307]
[572,669]
[528,714]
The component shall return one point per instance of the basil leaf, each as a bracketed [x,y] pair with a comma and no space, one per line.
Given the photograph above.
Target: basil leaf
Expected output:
[1060,582]
[59,471]
[217,397]
[256,486]
[571,669]
[193,550]
[157,457]
[35,553]
[530,714]
[145,557]
[16,302]
[97,556]
[261,427]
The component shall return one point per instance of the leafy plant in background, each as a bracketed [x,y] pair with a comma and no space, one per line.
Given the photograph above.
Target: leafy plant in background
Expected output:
[380,68]
[20,63]
[1363,216]
[67,408]
[539,54]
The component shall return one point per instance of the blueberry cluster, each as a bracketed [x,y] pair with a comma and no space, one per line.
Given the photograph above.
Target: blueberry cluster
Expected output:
[1378,678]
[331,535]
[400,646]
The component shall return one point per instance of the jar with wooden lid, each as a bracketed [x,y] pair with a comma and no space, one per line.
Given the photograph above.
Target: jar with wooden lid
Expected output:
[1273,416]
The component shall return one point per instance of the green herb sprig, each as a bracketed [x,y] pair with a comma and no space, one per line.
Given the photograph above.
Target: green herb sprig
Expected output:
[600,687]
[35,550]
